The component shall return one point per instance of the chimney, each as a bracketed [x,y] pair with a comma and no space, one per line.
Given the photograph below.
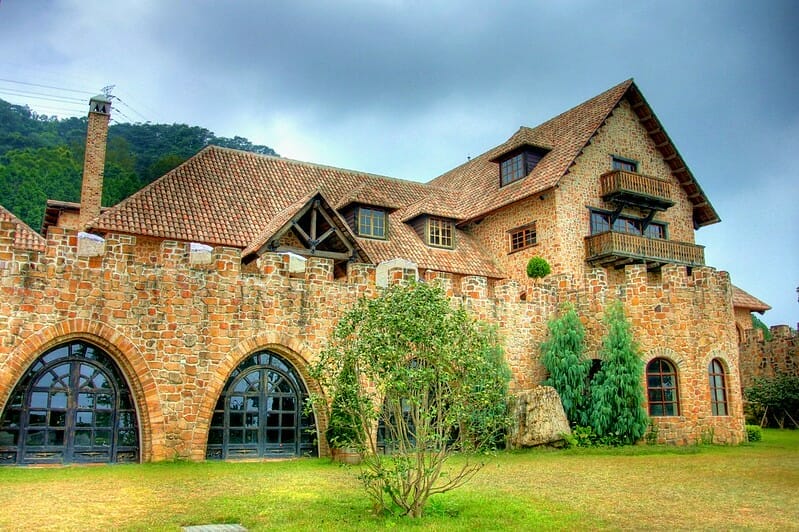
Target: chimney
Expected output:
[91,193]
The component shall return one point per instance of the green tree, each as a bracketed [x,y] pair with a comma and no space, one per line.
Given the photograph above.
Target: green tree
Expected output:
[432,378]
[562,356]
[617,413]
[770,400]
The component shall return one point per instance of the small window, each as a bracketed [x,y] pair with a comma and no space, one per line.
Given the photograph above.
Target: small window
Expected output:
[661,388]
[512,169]
[718,388]
[371,222]
[518,164]
[627,165]
[440,232]
[522,237]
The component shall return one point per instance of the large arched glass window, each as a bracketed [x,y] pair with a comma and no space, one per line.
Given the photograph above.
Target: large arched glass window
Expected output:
[661,388]
[262,412]
[72,405]
[718,388]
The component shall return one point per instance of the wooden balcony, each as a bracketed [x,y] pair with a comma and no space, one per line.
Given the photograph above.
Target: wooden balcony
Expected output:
[630,188]
[619,249]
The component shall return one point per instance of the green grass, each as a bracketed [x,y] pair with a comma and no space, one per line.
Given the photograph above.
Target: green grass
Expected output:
[752,486]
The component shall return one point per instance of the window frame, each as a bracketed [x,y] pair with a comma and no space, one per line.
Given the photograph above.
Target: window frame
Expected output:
[518,238]
[628,221]
[717,378]
[655,384]
[618,163]
[372,217]
[438,231]
[517,164]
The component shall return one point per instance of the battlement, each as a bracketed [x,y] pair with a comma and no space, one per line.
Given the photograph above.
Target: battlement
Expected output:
[121,254]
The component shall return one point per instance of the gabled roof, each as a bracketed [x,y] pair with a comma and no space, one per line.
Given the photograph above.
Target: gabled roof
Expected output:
[240,199]
[288,218]
[477,182]
[742,299]
[25,237]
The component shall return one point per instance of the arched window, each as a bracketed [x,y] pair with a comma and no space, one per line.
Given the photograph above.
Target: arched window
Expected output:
[718,388]
[661,387]
[261,412]
[72,405]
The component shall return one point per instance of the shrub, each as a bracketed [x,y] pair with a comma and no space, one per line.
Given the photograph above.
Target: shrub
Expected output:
[753,433]
[437,384]
[562,356]
[774,400]
[538,267]
[617,413]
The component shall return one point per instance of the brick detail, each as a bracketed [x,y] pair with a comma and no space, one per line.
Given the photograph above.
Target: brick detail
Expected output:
[91,193]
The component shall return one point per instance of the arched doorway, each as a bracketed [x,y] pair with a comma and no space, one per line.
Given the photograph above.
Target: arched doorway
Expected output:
[72,405]
[262,412]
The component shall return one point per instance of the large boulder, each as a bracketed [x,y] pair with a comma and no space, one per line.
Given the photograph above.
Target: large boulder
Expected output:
[539,416]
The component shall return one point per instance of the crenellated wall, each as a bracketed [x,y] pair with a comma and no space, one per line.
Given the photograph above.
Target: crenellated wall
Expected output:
[767,358]
[178,320]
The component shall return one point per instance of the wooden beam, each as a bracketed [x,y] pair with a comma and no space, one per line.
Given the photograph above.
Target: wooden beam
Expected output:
[315,253]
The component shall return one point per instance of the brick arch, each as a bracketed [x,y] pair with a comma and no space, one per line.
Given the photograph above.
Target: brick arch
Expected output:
[122,351]
[669,354]
[295,351]
[722,356]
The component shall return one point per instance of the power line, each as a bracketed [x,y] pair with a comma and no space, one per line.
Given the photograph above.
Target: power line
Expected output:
[117,98]
[45,95]
[46,86]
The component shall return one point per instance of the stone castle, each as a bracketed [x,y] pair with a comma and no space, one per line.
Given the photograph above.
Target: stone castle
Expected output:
[180,323]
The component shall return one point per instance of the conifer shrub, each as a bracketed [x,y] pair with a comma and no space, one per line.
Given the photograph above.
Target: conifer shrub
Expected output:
[617,412]
[562,356]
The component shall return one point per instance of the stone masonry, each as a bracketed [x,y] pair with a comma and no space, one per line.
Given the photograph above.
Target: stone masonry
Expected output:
[177,326]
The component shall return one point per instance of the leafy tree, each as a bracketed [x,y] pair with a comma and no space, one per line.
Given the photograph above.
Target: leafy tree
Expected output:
[562,356]
[757,323]
[39,156]
[617,413]
[773,399]
[432,378]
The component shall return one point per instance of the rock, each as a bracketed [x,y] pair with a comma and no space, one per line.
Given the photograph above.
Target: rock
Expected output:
[539,416]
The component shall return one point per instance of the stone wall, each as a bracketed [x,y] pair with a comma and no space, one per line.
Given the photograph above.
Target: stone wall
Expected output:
[177,327]
[766,358]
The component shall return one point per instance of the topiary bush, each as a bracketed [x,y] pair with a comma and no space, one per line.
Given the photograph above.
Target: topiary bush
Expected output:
[538,267]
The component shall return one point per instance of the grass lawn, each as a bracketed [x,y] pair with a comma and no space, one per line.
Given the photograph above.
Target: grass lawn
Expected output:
[752,486]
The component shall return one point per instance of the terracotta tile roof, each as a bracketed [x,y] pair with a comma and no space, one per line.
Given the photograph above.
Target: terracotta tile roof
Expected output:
[742,299]
[476,183]
[228,197]
[25,237]
[438,202]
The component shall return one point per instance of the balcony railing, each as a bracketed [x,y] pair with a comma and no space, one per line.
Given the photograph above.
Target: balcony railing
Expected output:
[618,249]
[636,189]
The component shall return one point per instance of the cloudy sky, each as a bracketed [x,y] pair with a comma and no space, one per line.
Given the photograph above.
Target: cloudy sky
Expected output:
[411,89]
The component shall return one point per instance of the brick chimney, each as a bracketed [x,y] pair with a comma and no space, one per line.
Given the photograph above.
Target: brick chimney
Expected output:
[91,193]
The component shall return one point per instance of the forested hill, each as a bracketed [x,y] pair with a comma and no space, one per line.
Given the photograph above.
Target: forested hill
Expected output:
[41,157]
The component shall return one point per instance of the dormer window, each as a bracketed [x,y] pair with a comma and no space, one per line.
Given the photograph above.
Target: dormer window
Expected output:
[440,233]
[517,164]
[371,222]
